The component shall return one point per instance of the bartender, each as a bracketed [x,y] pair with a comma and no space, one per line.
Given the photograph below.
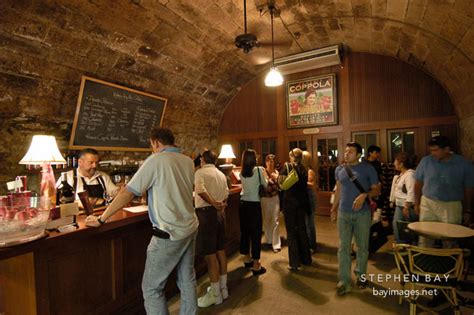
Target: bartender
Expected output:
[88,178]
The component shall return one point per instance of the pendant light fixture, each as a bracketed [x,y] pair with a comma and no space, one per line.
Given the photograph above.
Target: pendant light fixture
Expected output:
[273,77]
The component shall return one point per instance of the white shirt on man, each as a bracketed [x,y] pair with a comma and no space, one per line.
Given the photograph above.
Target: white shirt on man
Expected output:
[209,179]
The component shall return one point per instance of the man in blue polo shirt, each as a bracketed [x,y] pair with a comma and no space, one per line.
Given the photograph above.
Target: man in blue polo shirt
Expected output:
[353,218]
[168,177]
[443,188]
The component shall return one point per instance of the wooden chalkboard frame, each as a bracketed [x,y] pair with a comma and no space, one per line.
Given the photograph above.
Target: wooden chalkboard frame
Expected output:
[84,80]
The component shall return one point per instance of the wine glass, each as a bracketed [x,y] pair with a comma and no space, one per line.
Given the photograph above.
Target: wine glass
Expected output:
[107,197]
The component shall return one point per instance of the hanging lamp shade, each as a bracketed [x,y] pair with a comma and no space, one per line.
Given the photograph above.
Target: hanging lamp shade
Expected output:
[274,77]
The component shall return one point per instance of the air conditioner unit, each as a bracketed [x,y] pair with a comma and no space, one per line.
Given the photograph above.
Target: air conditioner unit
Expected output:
[319,58]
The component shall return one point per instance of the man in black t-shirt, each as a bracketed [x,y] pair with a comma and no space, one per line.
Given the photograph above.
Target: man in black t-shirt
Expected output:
[373,155]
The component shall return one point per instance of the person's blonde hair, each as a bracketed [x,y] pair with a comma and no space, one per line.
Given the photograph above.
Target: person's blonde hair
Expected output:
[307,160]
[296,154]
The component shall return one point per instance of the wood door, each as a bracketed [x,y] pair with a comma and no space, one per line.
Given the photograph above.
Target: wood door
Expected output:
[301,141]
[328,152]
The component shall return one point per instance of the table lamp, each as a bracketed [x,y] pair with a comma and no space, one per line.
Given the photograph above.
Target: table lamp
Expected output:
[44,151]
[228,154]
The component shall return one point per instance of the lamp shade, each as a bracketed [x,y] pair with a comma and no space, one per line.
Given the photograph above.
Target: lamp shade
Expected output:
[43,149]
[273,78]
[226,152]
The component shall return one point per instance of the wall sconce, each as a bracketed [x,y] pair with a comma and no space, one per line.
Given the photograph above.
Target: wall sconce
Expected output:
[44,151]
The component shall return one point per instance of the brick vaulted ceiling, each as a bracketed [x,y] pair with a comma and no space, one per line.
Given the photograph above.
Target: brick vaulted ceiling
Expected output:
[183,49]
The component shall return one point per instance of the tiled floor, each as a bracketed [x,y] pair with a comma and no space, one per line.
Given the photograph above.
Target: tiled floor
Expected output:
[310,291]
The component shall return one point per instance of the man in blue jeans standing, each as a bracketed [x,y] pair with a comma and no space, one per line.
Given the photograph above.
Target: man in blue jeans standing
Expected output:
[354,217]
[168,177]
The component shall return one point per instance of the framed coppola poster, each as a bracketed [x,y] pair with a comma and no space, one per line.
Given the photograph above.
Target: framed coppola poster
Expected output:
[311,102]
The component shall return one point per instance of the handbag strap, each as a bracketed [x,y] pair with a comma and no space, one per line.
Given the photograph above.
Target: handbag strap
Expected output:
[258,171]
[354,180]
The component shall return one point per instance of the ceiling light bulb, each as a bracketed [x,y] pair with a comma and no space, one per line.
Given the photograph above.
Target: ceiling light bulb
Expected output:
[273,78]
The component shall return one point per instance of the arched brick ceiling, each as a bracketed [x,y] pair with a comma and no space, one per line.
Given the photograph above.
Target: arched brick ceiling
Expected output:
[183,49]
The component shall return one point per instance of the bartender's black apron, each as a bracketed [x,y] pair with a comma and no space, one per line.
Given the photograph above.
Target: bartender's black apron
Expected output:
[94,191]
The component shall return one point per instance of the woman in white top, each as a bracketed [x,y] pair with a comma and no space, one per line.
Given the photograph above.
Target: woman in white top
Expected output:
[402,193]
[271,205]
[250,211]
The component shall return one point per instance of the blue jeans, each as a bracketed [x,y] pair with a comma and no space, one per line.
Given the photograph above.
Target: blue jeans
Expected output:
[357,224]
[398,216]
[162,256]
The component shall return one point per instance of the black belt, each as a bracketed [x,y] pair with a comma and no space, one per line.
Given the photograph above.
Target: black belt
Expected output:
[160,233]
[204,208]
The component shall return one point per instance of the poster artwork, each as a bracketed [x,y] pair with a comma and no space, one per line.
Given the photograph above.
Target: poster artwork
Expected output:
[312,102]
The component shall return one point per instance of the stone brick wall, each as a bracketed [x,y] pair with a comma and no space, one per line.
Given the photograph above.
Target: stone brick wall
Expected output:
[467,137]
[46,47]
[183,50]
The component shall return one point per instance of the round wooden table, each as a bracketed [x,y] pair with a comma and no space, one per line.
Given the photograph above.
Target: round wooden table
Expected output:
[440,230]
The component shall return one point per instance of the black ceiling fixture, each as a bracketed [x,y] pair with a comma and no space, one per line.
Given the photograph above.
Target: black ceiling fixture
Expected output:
[246,41]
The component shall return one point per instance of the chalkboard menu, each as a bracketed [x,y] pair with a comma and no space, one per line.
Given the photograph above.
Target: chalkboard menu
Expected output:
[113,117]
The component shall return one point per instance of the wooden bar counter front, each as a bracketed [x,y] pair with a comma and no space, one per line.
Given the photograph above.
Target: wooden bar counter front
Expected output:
[89,270]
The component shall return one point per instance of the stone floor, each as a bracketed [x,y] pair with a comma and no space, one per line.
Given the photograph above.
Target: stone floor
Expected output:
[310,291]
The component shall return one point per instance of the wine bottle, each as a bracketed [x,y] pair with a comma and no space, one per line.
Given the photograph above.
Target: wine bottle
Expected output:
[68,160]
[65,191]
[74,161]
[47,187]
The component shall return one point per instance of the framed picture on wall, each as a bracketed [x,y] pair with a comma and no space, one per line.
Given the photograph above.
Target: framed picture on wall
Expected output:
[311,102]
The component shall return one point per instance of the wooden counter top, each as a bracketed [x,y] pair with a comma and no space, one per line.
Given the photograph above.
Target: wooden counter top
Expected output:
[120,219]
[89,270]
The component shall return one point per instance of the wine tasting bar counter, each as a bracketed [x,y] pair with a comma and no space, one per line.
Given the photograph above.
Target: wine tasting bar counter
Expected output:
[89,270]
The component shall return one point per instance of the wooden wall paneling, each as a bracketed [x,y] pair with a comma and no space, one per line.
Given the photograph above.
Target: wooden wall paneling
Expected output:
[371,90]
[256,110]
[374,92]
[17,285]
[281,123]
[77,283]
[384,89]
[422,143]
[134,256]
[383,140]
[449,130]
[354,73]
[117,265]
[401,124]
[344,101]
[267,110]
[41,282]
[232,234]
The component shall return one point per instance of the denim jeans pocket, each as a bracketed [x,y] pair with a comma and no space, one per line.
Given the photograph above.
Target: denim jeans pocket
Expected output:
[153,245]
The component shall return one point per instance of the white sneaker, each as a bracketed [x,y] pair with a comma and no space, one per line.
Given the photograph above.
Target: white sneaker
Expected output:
[225,293]
[210,298]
